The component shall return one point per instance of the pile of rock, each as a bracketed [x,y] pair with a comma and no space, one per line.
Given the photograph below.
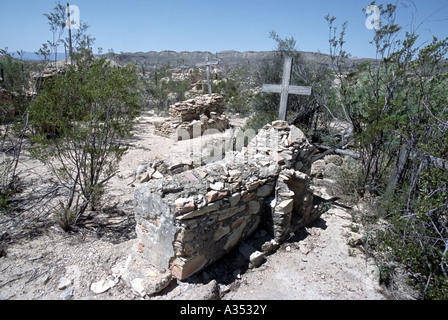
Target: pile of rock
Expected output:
[189,220]
[191,109]
[159,168]
[193,117]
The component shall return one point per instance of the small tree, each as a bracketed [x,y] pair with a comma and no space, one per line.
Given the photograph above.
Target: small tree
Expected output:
[13,121]
[236,90]
[82,117]
[80,41]
[162,90]
[56,20]
[397,109]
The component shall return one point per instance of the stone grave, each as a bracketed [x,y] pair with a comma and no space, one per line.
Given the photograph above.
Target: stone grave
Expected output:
[194,117]
[188,221]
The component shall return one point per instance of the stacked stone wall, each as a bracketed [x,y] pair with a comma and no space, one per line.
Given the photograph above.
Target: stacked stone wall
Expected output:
[187,221]
[193,117]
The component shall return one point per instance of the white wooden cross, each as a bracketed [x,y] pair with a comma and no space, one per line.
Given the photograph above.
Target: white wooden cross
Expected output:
[285,89]
[207,64]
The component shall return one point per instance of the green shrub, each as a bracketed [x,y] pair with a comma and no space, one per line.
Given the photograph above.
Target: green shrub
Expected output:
[83,117]
[349,178]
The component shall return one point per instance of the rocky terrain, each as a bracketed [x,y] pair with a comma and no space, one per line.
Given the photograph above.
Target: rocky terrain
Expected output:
[39,261]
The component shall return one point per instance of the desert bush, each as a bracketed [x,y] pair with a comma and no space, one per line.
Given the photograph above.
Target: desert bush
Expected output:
[397,109]
[162,90]
[416,235]
[236,89]
[91,108]
[236,97]
[14,103]
[349,178]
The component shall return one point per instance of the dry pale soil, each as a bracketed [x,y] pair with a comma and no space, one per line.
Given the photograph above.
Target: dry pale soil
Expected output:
[42,262]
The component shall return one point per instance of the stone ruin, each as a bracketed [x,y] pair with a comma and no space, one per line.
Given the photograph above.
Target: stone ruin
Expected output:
[189,220]
[193,117]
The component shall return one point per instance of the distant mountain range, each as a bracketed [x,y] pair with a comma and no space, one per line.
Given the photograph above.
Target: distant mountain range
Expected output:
[227,59]
[189,59]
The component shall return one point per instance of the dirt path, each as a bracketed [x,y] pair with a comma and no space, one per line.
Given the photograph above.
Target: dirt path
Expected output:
[317,263]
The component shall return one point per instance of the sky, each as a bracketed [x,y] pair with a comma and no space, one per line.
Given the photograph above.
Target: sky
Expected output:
[214,26]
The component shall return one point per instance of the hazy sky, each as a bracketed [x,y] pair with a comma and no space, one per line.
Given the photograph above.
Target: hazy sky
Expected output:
[199,25]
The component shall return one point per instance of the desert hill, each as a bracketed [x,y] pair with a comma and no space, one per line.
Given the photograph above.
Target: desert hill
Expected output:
[227,59]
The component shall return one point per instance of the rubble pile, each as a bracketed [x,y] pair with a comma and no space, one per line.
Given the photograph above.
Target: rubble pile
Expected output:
[194,117]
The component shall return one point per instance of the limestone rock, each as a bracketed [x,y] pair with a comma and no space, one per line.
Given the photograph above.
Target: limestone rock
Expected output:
[269,246]
[213,195]
[184,205]
[64,283]
[221,232]
[210,291]
[295,136]
[146,178]
[157,175]
[217,186]
[235,236]
[280,125]
[140,169]
[286,205]
[102,286]
[183,268]
[317,169]
[304,249]
[67,294]
[144,279]
[255,257]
